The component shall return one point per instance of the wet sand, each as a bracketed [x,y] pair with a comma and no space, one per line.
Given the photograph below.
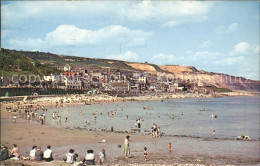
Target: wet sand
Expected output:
[186,150]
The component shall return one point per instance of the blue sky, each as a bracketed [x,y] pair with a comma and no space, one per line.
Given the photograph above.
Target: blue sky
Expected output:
[214,36]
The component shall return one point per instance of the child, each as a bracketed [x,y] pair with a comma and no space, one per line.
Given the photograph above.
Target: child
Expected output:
[102,156]
[145,153]
[170,147]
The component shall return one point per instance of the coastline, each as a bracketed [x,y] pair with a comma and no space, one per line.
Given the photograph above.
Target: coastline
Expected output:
[185,149]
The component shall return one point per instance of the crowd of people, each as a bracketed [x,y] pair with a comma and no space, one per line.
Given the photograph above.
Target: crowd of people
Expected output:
[36,154]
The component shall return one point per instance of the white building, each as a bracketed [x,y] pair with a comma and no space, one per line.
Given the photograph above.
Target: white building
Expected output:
[67,67]
[73,83]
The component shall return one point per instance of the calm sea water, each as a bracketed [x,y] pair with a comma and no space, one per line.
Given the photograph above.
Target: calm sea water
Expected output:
[236,116]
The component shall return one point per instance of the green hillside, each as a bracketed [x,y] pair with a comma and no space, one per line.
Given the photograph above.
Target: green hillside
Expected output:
[13,62]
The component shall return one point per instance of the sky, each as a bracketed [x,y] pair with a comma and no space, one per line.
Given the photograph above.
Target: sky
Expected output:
[218,36]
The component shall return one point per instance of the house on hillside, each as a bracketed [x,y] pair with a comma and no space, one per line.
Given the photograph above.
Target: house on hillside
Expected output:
[67,67]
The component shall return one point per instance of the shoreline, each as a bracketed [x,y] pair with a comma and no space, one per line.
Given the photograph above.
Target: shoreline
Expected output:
[186,149]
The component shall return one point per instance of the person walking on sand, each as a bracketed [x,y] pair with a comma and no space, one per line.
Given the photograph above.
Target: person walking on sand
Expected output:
[145,154]
[126,146]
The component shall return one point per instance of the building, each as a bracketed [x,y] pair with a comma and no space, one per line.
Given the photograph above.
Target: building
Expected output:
[67,67]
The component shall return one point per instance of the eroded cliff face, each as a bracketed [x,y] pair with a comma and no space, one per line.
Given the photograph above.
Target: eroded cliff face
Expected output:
[142,67]
[190,73]
[176,69]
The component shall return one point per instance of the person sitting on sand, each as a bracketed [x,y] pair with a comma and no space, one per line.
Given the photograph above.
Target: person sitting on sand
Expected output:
[4,154]
[90,158]
[71,157]
[14,153]
[32,152]
[126,146]
[102,156]
[38,154]
[47,155]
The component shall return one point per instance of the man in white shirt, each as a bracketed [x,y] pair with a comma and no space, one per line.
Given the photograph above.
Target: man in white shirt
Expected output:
[90,158]
[47,155]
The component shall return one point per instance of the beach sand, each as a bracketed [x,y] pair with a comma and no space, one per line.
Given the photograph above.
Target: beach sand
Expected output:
[186,150]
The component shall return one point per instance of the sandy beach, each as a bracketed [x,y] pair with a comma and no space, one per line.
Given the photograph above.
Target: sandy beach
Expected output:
[186,150]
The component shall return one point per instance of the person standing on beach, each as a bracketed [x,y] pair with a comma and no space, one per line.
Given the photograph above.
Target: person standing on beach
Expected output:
[145,154]
[126,146]
[169,147]
[139,123]
[214,134]
[14,118]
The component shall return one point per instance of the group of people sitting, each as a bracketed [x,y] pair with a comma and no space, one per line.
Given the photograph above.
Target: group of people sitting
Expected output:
[35,153]
[38,155]
[89,159]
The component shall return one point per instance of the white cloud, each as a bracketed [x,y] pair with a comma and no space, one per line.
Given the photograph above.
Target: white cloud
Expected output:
[127,56]
[27,44]
[72,35]
[168,13]
[227,29]
[229,61]
[245,48]
[163,59]
[69,35]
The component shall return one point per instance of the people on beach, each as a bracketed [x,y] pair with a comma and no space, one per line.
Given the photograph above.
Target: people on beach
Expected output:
[126,146]
[90,158]
[145,153]
[14,118]
[32,152]
[158,132]
[169,147]
[38,154]
[102,156]
[47,155]
[71,157]
[214,134]
[154,131]
[4,153]
[14,153]
[139,123]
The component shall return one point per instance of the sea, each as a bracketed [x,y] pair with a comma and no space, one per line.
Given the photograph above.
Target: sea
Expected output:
[192,116]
